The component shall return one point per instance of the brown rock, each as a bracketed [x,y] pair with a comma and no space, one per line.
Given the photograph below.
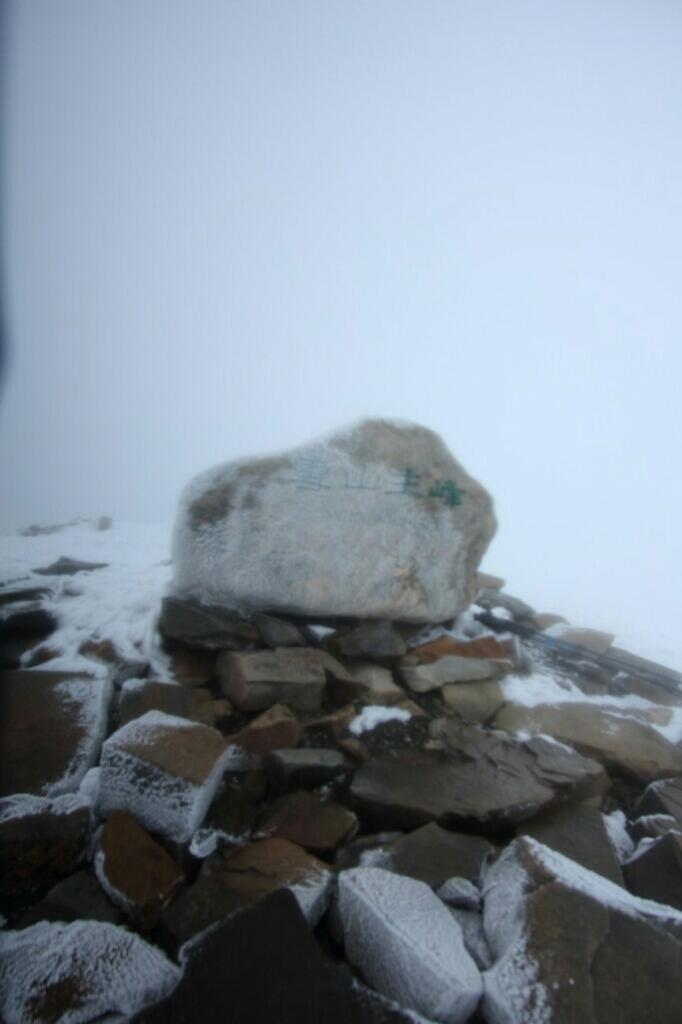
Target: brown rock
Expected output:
[37,849]
[577,831]
[591,639]
[277,727]
[100,650]
[138,873]
[623,745]
[433,855]
[255,680]
[309,821]
[482,647]
[147,695]
[192,667]
[662,797]
[268,864]
[49,730]
[543,620]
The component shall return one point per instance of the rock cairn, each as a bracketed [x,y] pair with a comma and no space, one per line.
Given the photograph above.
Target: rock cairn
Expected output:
[324,816]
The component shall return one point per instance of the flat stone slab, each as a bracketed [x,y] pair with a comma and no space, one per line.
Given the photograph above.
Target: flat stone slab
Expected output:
[484,779]
[623,745]
[435,855]
[205,627]
[51,730]
[377,521]
[69,567]
[662,797]
[452,669]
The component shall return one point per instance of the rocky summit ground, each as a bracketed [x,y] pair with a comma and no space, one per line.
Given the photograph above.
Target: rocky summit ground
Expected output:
[213,817]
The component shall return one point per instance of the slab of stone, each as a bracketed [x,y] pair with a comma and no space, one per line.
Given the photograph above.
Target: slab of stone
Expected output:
[662,797]
[164,771]
[578,831]
[377,521]
[19,595]
[69,567]
[486,581]
[376,683]
[591,639]
[277,727]
[276,632]
[205,626]
[452,669]
[41,841]
[305,768]
[368,640]
[82,971]
[656,872]
[249,873]
[492,599]
[262,965]
[484,780]
[623,745]
[433,855]
[77,897]
[137,874]
[308,820]
[460,893]
[474,702]
[51,729]
[570,946]
[485,647]
[255,680]
[407,944]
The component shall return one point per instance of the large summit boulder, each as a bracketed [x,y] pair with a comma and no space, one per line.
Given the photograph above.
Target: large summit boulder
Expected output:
[375,521]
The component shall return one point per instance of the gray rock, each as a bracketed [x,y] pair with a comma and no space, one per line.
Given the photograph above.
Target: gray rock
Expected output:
[493,598]
[14,595]
[452,669]
[569,946]
[255,680]
[653,826]
[474,702]
[460,893]
[368,640]
[68,567]
[433,855]
[376,683]
[656,873]
[623,745]
[475,942]
[407,944]
[353,854]
[305,768]
[662,797]
[206,627]
[276,632]
[376,522]
[486,780]
[577,831]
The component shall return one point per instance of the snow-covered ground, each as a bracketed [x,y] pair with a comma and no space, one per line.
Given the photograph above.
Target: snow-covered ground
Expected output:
[121,602]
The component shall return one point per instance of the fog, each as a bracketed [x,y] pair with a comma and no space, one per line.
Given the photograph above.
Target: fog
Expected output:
[231,226]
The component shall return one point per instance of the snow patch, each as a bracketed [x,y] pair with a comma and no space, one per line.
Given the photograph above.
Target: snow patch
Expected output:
[623,845]
[374,715]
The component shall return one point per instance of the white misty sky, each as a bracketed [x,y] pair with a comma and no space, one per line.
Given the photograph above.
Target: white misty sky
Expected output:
[230,225]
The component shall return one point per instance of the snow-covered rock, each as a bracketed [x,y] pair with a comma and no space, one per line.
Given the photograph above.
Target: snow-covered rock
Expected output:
[76,973]
[375,521]
[51,730]
[407,944]
[164,771]
[569,945]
